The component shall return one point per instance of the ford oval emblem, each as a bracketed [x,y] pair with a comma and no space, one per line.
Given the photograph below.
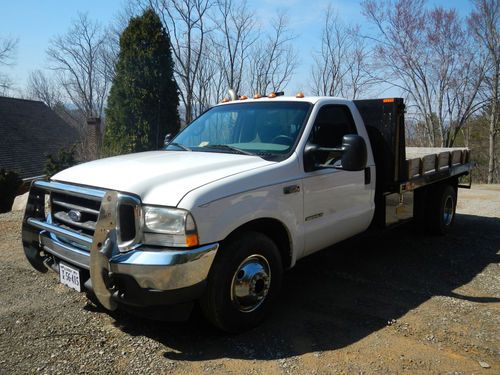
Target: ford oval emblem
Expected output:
[75,215]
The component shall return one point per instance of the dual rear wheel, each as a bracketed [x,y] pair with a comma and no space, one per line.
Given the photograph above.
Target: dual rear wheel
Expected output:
[440,209]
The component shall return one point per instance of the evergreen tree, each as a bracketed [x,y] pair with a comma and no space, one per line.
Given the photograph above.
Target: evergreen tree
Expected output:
[142,104]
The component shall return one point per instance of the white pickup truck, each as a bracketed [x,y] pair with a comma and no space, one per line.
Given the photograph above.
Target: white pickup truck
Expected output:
[233,200]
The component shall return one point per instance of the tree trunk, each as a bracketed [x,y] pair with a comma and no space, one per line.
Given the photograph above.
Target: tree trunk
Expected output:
[189,107]
[493,124]
[491,154]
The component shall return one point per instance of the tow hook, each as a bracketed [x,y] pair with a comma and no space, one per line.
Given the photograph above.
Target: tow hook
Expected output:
[104,247]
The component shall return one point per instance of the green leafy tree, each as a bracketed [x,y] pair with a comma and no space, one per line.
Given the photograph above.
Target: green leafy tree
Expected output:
[143,101]
[64,159]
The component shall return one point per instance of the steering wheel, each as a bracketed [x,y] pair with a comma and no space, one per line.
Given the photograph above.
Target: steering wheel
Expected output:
[282,140]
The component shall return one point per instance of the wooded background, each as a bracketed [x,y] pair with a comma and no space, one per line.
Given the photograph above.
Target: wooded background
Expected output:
[447,67]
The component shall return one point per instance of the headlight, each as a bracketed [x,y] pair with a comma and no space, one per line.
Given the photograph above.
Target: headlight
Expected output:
[166,226]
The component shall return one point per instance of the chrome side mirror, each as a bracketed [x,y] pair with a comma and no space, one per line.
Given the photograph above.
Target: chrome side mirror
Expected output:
[167,139]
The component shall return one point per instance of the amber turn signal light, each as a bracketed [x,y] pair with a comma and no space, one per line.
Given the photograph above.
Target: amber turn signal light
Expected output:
[192,240]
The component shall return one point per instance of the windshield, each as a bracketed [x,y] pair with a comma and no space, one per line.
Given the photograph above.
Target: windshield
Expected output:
[266,129]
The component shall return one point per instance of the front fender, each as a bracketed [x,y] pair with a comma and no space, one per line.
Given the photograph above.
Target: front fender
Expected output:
[217,219]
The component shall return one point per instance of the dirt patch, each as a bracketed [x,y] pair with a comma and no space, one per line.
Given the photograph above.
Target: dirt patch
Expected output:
[399,303]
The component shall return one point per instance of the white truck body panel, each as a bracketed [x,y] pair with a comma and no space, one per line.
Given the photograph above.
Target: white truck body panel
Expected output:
[159,177]
[225,205]
[341,198]
[336,207]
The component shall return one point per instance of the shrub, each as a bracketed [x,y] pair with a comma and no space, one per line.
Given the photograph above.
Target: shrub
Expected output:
[9,184]
[63,160]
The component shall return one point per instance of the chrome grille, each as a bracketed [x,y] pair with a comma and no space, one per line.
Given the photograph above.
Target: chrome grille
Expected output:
[75,213]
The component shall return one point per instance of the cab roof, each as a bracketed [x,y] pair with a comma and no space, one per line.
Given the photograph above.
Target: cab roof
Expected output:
[282,98]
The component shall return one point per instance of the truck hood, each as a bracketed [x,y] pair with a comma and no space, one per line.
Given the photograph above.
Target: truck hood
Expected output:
[159,177]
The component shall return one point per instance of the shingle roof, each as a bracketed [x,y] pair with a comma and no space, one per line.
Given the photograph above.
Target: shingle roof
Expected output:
[28,131]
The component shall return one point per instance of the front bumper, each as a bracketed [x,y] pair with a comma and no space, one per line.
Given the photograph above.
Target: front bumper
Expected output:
[167,275]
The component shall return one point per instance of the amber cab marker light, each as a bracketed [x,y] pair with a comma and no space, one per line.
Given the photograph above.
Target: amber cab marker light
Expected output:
[300,94]
[389,100]
[272,95]
[257,96]
[225,100]
[243,97]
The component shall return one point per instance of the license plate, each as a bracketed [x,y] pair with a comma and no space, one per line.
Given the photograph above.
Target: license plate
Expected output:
[70,276]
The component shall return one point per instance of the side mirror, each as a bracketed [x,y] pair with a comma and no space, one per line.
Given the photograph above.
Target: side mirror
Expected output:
[354,153]
[310,152]
[167,139]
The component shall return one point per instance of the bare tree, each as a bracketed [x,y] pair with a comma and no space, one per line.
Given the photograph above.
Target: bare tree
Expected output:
[210,85]
[429,57]
[113,33]
[455,70]
[360,77]
[483,22]
[274,60]
[328,72]
[236,25]
[78,57]
[46,89]
[8,47]
[41,87]
[341,67]
[186,24]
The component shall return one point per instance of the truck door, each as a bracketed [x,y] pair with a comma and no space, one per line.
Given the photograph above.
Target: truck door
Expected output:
[337,203]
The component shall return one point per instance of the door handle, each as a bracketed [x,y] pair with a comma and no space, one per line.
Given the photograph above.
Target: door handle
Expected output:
[291,189]
[368,176]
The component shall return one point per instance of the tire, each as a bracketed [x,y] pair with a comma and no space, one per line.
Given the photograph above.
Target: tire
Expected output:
[243,283]
[440,212]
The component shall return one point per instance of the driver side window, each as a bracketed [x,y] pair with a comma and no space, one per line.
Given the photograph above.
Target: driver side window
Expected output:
[332,123]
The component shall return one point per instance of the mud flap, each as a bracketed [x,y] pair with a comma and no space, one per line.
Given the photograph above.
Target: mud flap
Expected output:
[104,247]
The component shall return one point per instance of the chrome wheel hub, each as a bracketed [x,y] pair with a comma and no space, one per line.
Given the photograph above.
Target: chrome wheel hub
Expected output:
[448,211]
[250,283]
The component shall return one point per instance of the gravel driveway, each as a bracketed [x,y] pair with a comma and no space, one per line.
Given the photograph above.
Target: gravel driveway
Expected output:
[399,303]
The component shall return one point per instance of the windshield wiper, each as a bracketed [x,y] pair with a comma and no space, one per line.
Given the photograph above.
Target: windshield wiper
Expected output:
[231,148]
[185,148]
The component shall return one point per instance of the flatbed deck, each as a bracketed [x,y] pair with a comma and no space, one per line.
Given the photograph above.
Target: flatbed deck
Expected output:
[426,165]
[424,160]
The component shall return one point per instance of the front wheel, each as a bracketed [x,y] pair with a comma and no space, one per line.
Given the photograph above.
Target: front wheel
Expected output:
[243,282]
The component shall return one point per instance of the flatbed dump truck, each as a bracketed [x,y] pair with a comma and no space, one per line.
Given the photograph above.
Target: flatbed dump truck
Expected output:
[233,200]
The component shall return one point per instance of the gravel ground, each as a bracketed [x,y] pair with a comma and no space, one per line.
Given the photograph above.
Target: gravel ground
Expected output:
[399,303]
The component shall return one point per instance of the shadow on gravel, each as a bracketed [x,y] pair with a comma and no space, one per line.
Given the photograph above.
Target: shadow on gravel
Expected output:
[342,294]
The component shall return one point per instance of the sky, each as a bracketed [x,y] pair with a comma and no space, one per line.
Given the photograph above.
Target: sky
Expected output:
[35,22]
